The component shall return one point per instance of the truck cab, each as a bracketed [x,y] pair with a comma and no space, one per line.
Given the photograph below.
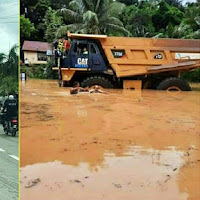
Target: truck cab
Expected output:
[85,54]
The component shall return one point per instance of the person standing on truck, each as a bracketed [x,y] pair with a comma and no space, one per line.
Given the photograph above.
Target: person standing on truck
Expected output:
[76,88]
[66,45]
[59,49]
[55,45]
[61,46]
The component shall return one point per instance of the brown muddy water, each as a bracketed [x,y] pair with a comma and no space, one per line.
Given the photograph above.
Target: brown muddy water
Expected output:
[121,145]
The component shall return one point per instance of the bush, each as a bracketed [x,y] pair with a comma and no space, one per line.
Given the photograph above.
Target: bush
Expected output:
[8,85]
[43,71]
[192,76]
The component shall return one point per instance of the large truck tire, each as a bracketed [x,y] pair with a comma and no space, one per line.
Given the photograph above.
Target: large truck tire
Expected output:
[97,80]
[174,84]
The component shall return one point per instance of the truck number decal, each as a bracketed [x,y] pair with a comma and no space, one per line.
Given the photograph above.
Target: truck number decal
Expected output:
[158,56]
[82,63]
[118,53]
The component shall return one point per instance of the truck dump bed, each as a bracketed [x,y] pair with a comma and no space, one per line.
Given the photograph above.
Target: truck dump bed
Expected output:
[140,56]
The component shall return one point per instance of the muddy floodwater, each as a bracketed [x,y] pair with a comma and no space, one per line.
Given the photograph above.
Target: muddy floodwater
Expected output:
[123,145]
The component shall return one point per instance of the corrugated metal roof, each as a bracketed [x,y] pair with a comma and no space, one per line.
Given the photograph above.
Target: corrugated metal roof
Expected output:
[36,46]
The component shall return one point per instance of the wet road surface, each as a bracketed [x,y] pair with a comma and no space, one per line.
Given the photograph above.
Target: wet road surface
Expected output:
[121,145]
[9,167]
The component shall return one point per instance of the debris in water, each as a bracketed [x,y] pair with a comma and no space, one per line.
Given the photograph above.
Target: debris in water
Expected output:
[169,177]
[32,183]
[117,185]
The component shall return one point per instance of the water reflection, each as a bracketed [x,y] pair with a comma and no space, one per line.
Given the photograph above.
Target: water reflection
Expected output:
[140,173]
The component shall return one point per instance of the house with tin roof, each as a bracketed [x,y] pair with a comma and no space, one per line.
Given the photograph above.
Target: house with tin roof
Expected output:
[36,52]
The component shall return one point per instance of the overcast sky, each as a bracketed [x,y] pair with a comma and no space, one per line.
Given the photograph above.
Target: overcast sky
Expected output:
[185,1]
[9,24]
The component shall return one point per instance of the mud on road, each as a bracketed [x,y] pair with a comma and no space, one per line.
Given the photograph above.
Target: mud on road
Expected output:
[121,145]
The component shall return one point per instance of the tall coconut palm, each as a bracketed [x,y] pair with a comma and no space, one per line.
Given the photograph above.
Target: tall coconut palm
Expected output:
[93,16]
[9,71]
[3,57]
[9,63]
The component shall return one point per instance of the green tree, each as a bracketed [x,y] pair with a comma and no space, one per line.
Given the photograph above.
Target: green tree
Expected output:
[189,28]
[26,27]
[176,3]
[9,71]
[138,20]
[8,85]
[129,2]
[51,24]
[165,15]
[97,17]
[9,63]
[35,10]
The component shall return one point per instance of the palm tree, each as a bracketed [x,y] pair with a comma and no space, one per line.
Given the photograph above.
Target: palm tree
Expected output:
[9,71]
[94,17]
[9,63]
[2,61]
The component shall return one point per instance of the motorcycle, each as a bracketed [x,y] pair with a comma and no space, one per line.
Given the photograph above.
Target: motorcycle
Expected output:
[11,126]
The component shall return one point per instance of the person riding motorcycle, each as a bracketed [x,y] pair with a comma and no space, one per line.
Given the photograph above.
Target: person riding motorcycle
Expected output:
[10,109]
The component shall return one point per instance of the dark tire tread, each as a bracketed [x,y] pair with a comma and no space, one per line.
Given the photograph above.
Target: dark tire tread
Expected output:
[173,81]
[97,80]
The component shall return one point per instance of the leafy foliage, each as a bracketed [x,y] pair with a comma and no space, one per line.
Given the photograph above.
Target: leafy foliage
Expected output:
[129,2]
[26,27]
[138,20]
[97,17]
[165,15]
[8,85]
[43,71]
[9,71]
[146,18]
[176,3]
[193,76]
[51,24]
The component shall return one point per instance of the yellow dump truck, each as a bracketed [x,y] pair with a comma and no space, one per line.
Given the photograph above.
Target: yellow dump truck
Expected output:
[126,62]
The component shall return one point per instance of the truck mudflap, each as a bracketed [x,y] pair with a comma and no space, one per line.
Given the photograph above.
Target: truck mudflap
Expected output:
[67,73]
[175,66]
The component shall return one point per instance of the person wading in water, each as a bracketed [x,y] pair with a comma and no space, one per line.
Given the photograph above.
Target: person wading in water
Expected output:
[76,88]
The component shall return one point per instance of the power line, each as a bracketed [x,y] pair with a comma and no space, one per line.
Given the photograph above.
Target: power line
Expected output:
[2,22]
[10,15]
[9,5]
[9,18]
[5,22]
[3,18]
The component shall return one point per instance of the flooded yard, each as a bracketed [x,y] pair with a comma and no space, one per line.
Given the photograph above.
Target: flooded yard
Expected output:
[122,145]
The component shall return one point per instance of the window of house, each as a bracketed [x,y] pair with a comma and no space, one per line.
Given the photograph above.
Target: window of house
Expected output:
[42,56]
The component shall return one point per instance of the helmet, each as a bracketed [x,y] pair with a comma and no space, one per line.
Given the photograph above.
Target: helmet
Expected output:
[10,97]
